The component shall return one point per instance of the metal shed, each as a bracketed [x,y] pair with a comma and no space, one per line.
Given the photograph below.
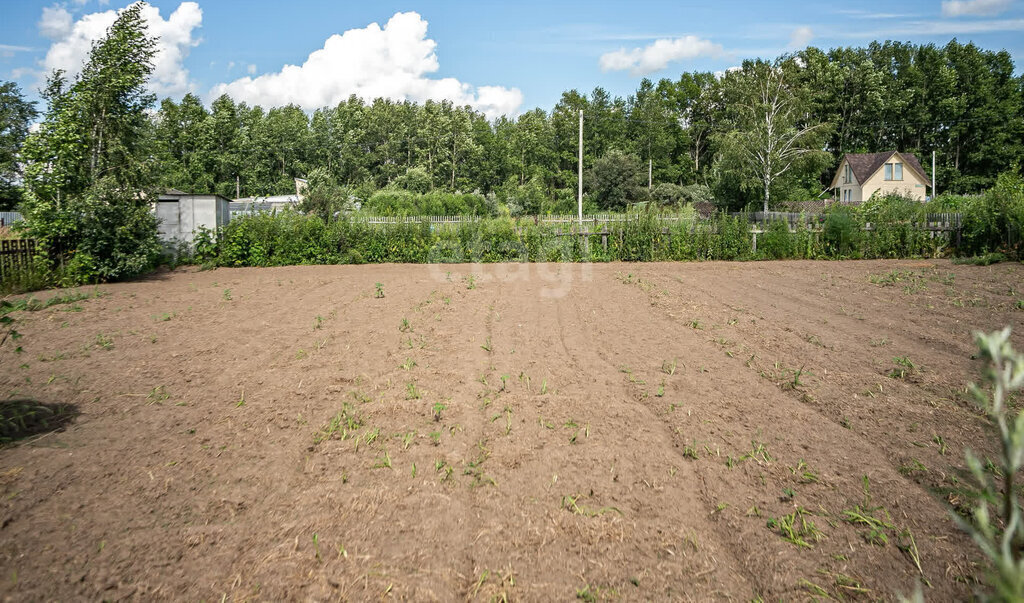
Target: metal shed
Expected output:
[179,215]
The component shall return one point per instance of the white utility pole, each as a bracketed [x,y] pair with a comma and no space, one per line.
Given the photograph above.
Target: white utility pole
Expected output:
[580,198]
[650,170]
[933,174]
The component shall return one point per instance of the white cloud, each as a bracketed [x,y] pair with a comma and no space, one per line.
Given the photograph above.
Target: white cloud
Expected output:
[251,69]
[801,37]
[73,40]
[658,54]
[55,22]
[937,28]
[978,8]
[373,62]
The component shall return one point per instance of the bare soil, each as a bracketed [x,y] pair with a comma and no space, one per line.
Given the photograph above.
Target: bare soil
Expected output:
[542,432]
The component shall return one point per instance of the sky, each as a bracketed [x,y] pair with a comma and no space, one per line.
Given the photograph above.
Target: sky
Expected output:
[500,57]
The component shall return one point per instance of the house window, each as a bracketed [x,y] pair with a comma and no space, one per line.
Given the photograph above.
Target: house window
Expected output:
[847,175]
[894,171]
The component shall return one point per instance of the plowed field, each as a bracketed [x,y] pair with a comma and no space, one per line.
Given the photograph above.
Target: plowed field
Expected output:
[634,431]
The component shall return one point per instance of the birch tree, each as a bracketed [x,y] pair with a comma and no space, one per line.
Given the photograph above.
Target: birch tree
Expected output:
[772,134]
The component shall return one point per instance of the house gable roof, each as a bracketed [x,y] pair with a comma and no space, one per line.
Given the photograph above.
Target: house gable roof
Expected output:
[864,165]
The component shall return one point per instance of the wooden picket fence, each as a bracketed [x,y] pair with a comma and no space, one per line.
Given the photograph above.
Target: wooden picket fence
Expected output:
[15,255]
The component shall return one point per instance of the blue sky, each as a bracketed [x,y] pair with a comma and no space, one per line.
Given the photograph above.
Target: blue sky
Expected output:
[499,56]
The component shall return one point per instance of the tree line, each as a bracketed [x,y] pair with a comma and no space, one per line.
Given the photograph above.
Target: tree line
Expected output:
[693,133]
[766,131]
[959,100]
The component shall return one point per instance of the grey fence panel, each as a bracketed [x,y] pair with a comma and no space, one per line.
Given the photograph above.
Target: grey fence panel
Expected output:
[9,217]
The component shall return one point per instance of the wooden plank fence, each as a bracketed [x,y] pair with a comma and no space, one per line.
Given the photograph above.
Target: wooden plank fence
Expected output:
[15,254]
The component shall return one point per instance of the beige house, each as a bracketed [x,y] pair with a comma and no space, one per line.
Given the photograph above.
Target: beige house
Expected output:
[861,175]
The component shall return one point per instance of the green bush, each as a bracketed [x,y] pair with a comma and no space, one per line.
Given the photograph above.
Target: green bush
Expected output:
[842,232]
[993,221]
[777,243]
[981,260]
[32,276]
[398,202]
[289,238]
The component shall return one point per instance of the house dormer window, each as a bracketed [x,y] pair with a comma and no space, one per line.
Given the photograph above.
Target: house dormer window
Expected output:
[894,171]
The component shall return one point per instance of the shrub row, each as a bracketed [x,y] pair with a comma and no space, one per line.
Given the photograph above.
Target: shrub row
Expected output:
[290,238]
[992,223]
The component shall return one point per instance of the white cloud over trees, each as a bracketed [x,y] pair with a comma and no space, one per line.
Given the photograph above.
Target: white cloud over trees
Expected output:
[658,54]
[393,61]
[800,37]
[72,39]
[977,8]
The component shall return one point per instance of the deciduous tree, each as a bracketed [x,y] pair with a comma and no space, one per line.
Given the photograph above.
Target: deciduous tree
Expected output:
[88,174]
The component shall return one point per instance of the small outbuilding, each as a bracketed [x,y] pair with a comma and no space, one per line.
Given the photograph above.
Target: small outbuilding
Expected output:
[179,215]
[861,175]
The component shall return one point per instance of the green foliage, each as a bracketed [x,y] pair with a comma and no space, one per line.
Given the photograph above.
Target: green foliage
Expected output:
[1001,538]
[530,199]
[770,135]
[615,180]
[667,193]
[698,133]
[323,196]
[16,114]
[994,221]
[116,237]
[289,238]
[31,276]
[86,171]
[981,260]
[415,180]
[777,242]
[398,202]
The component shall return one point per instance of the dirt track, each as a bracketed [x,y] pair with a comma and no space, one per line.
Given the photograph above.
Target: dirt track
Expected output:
[624,431]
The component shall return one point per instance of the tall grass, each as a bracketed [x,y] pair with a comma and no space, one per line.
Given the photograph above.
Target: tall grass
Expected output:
[30,276]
